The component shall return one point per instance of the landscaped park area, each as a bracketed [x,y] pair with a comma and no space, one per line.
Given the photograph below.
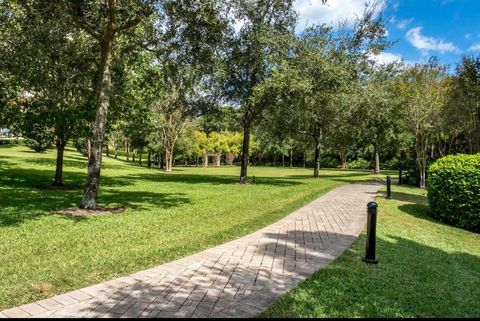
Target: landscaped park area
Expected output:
[239,158]
[426,268]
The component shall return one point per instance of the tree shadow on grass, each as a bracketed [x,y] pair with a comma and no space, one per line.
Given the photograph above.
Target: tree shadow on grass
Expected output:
[205,179]
[411,280]
[44,203]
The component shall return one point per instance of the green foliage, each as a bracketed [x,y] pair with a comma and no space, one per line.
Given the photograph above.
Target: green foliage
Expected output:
[359,164]
[454,190]
[329,162]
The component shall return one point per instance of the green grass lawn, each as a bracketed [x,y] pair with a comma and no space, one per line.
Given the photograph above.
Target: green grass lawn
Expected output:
[168,216]
[426,269]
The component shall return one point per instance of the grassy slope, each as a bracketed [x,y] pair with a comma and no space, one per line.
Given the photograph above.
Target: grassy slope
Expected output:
[426,269]
[169,215]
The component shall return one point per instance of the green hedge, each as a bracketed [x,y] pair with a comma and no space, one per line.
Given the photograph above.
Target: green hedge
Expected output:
[454,190]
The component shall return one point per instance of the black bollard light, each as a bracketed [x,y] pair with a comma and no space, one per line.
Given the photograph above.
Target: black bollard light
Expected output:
[389,187]
[399,176]
[371,234]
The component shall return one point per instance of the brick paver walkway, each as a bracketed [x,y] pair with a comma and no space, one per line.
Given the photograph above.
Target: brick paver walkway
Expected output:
[236,279]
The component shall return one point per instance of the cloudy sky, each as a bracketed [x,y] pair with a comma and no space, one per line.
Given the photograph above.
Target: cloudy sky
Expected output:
[447,29]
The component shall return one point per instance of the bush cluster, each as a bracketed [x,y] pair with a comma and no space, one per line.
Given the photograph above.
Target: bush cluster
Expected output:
[358,164]
[329,162]
[454,190]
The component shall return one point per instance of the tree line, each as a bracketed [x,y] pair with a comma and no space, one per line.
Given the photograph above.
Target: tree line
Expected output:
[231,77]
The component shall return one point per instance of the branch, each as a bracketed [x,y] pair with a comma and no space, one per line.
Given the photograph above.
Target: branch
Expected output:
[81,24]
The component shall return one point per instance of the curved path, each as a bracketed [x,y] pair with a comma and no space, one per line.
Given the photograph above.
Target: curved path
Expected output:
[236,279]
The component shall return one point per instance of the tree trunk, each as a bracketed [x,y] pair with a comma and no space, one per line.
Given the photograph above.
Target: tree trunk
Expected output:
[316,162]
[115,146]
[140,152]
[304,159]
[283,160]
[230,158]
[421,151]
[205,159]
[149,160]
[103,89]
[107,150]
[160,160]
[168,160]
[133,156]
[291,158]
[217,159]
[126,150]
[377,159]
[343,160]
[59,168]
[274,160]
[245,150]
[89,149]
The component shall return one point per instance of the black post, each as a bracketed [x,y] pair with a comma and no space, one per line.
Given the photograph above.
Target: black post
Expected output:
[389,187]
[371,234]
[399,176]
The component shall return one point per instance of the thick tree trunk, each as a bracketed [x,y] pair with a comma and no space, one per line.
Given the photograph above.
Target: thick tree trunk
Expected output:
[127,151]
[283,160]
[59,167]
[343,160]
[377,159]
[133,156]
[103,89]
[217,159]
[245,150]
[149,160]
[291,158]
[168,160]
[205,159]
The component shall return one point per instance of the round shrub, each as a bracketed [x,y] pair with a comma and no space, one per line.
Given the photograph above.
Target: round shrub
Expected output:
[358,164]
[454,190]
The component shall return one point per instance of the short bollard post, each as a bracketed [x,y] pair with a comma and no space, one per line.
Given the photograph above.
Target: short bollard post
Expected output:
[389,187]
[400,176]
[371,234]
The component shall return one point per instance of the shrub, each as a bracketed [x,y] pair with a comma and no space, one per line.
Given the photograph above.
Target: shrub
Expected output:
[454,190]
[40,144]
[358,164]
[329,162]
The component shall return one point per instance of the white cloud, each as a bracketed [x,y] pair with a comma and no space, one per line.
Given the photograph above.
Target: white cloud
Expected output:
[475,47]
[402,24]
[426,44]
[333,12]
[386,58]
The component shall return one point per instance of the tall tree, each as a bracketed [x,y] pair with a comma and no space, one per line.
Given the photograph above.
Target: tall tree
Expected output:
[424,99]
[262,24]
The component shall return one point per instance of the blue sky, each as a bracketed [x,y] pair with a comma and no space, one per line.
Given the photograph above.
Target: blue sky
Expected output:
[447,29]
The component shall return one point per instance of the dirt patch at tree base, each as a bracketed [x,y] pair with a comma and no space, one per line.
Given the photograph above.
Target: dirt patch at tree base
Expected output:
[76,211]
[59,187]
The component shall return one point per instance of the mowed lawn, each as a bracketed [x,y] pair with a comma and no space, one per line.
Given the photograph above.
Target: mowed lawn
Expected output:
[426,269]
[168,216]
